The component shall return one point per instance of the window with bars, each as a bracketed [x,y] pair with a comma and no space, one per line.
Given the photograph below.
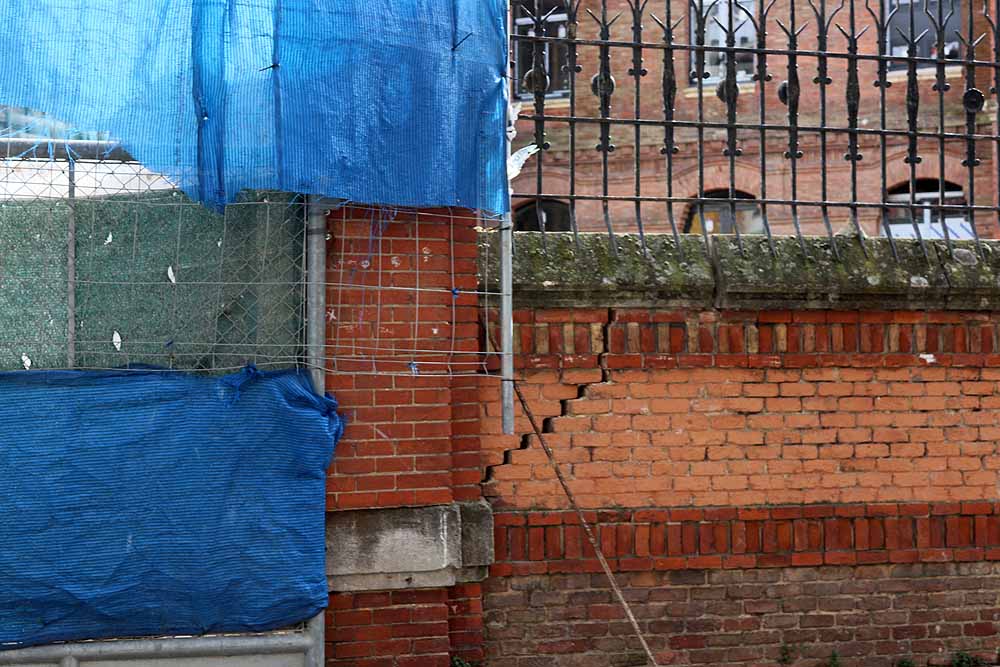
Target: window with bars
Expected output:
[550,215]
[932,206]
[546,60]
[933,29]
[713,25]
[721,216]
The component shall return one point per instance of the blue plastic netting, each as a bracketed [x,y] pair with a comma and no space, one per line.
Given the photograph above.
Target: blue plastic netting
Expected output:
[397,102]
[145,502]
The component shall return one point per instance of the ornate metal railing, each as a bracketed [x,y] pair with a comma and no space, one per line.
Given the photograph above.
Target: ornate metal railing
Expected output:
[853,118]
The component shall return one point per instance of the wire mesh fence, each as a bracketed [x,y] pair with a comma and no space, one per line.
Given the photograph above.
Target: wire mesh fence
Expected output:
[407,295]
[104,264]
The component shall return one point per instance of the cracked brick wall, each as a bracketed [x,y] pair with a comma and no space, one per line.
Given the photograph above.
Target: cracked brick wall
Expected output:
[765,483]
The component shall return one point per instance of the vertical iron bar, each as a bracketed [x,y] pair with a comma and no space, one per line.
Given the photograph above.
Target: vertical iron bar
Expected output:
[669,90]
[637,72]
[912,110]
[729,91]
[822,79]
[792,91]
[572,69]
[853,99]
[995,89]
[881,22]
[699,74]
[940,86]
[973,101]
[761,76]
[539,85]
[603,86]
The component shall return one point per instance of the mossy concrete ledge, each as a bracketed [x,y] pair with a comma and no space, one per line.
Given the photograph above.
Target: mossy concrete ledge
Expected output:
[562,271]
[558,270]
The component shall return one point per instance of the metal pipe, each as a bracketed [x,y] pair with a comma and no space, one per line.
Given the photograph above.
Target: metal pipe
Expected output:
[70,149]
[173,647]
[507,275]
[316,630]
[507,323]
[316,230]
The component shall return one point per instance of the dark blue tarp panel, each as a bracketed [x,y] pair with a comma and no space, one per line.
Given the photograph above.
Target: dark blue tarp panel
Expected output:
[145,502]
[397,102]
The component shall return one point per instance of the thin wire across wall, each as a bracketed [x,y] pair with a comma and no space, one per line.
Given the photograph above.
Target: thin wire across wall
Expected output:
[399,304]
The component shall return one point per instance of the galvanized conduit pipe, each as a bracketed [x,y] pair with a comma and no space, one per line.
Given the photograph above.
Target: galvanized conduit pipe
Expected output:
[67,655]
[507,323]
[316,231]
[71,273]
[507,286]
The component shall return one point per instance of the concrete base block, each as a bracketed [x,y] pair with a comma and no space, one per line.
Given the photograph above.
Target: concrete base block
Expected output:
[412,547]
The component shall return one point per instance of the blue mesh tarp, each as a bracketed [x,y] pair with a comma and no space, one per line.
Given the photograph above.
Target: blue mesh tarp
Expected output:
[145,502]
[397,102]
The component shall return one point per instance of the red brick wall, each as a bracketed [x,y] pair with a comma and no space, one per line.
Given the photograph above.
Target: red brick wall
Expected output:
[795,453]
[389,629]
[403,353]
[821,480]
[403,337]
[872,616]
[752,537]
[700,409]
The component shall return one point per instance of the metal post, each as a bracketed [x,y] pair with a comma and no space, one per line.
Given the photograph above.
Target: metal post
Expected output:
[507,285]
[317,638]
[71,268]
[173,648]
[507,323]
[316,291]
[316,230]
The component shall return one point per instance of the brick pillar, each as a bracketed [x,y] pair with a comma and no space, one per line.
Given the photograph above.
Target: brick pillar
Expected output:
[403,353]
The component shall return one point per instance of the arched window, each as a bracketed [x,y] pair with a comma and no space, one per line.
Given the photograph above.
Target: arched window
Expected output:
[554,215]
[716,214]
[927,200]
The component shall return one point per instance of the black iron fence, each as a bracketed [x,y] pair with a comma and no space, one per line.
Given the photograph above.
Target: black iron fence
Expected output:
[854,118]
